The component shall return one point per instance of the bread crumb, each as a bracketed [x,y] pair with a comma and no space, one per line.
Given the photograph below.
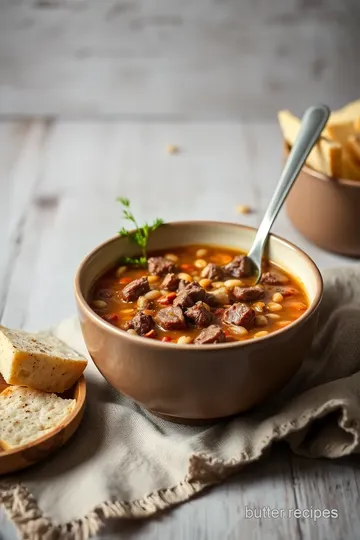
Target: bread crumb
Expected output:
[172,149]
[243,209]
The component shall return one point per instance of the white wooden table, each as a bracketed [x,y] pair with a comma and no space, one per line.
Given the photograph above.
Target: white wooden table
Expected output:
[58,184]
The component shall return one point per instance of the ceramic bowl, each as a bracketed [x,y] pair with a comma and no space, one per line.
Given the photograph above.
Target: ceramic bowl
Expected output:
[326,211]
[189,383]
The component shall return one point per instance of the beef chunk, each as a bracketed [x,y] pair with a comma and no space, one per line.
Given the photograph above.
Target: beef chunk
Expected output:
[142,323]
[240,266]
[213,271]
[170,282]
[199,315]
[182,284]
[136,288]
[274,278]
[160,266]
[187,297]
[248,294]
[287,291]
[171,318]
[240,315]
[211,334]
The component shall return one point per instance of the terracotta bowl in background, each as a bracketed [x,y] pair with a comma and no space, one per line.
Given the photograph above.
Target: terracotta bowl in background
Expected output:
[326,211]
[196,383]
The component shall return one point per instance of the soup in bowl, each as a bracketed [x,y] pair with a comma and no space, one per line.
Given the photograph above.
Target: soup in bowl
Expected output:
[187,335]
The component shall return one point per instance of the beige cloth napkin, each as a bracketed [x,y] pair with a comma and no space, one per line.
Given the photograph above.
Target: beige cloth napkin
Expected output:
[123,462]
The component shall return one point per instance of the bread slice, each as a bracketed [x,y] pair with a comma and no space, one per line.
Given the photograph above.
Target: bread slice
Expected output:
[38,361]
[27,414]
[340,132]
[344,122]
[351,158]
[353,145]
[346,113]
[325,156]
[357,125]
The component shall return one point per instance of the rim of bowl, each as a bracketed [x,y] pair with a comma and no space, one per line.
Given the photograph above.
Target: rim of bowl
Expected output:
[324,177]
[218,346]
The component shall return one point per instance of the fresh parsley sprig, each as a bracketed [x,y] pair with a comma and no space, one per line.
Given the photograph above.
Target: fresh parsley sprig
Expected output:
[139,236]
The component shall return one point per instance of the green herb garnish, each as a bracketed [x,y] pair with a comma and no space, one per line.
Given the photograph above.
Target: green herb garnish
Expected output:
[139,236]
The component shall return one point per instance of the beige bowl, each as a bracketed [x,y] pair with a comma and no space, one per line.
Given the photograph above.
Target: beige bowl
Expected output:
[326,211]
[189,383]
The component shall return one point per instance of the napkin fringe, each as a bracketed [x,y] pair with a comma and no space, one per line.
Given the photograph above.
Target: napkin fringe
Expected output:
[204,471]
[21,507]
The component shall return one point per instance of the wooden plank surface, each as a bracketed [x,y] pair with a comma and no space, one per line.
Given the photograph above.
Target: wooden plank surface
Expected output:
[209,59]
[58,184]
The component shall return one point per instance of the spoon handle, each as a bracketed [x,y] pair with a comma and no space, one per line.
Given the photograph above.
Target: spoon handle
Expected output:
[313,122]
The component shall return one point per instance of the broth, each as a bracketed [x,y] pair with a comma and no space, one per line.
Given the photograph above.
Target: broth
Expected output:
[222,306]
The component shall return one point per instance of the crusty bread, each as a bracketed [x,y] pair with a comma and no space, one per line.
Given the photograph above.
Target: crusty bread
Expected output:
[337,152]
[353,145]
[351,158]
[41,362]
[326,156]
[357,125]
[343,123]
[27,414]
[348,112]
[340,132]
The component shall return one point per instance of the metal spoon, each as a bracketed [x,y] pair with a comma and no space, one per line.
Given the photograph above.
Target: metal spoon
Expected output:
[313,122]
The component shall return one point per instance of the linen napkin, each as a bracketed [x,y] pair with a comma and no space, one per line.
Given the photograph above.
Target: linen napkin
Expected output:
[124,462]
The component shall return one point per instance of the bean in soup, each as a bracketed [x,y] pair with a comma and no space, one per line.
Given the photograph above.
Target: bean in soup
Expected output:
[198,294]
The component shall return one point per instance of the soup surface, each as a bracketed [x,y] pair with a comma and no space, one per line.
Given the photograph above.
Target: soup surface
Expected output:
[198,294]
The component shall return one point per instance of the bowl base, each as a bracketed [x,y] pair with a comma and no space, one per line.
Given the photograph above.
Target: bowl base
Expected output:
[190,421]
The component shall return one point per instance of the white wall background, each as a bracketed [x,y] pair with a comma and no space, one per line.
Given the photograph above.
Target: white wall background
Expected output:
[176,59]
